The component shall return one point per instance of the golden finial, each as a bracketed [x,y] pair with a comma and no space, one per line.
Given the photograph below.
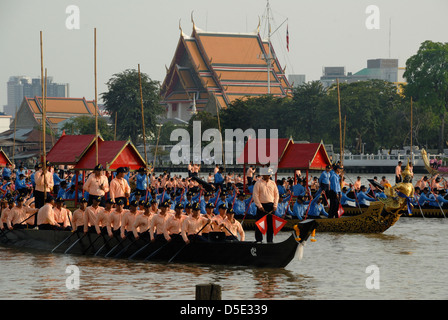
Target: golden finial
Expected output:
[406,172]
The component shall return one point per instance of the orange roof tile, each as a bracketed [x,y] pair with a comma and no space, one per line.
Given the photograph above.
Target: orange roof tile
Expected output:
[195,55]
[232,49]
[229,66]
[65,105]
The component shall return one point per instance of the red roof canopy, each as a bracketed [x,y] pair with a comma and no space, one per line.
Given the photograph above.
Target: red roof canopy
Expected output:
[69,148]
[112,155]
[290,155]
[4,158]
[256,147]
[305,156]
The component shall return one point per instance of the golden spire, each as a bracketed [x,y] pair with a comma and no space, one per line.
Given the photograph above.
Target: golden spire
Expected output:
[406,172]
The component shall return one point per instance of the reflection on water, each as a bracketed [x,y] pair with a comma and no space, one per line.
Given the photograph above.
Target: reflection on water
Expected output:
[411,257]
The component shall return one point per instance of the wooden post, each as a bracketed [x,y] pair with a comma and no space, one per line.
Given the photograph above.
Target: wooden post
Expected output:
[220,134]
[411,134]
[96,100]
[341,156]
[14,143]
[143,114]
[208,291]
[157,145]
[244,177]
[115,127]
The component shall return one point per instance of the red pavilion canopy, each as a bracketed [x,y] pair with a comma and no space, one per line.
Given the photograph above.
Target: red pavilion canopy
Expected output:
[4,159]
[290,155]
[70,148]
[112,155]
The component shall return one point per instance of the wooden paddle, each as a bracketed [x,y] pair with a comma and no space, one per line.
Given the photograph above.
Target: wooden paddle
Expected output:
[177,253]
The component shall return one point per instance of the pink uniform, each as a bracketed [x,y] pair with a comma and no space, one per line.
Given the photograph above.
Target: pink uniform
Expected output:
[78,218]
[115,218]
[90,216]
[209,227]
[118,188]
[127,223]
[192,225]
[103,219]
[63,216]
[158,224]
[19,215]
[94,183]
[218,219]
[142,223]
[265,192]
[45,215]
[235,228]
[39,180]
[4,217]
[173,225]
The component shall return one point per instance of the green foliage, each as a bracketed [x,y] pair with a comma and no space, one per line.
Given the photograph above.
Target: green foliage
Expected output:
[86,125]
[376,115]
[264,112]
[427,77]
[123,100]
[165,133]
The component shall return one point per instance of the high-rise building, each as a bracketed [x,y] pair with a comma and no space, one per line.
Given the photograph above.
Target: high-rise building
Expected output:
[381,69]
[19,87]
[296,79]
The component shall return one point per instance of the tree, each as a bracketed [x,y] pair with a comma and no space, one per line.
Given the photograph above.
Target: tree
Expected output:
[263,112]
[86,125]
[371,108]
[305,112]
[427,80]
[122,100]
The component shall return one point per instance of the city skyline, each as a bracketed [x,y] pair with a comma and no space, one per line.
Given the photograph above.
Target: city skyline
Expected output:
[321,33]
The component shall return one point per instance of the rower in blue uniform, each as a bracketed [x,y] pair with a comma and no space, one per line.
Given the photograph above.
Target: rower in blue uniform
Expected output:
[363,198]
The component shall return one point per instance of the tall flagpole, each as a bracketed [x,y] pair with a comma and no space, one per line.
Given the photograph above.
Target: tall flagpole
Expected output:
[143,113]
[411,131]
[44,115]
[96,101]
[341,155]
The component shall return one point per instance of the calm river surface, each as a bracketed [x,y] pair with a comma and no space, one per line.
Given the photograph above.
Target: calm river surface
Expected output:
[411,258]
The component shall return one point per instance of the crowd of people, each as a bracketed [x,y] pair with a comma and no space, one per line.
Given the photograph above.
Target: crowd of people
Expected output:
[144,204]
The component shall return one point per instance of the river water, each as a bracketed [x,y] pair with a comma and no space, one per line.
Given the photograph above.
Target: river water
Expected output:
[408,261]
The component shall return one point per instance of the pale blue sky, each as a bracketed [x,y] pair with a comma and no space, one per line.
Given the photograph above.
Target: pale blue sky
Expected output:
[132,32]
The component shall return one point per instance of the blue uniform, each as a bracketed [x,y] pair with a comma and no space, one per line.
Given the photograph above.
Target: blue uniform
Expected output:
[20,184]
[62,194]
[324,177]
[436,201]
[218,178]
[6,173]
[141,181]
[298,190]
[345,199]
[299,210]
[283,207]
[335,182]
[240,207]
[316,209]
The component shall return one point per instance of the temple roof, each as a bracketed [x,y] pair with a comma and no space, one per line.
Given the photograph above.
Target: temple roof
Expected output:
[226,65]
[59,109]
